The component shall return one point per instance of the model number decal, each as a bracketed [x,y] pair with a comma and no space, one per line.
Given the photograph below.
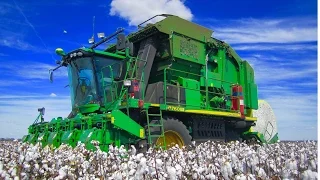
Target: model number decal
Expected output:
[175,108]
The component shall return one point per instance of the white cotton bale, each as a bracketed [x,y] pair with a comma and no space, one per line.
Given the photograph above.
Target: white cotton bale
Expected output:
[266,120]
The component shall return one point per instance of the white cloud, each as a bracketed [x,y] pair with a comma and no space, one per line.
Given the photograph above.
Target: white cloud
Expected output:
[18,112]
[20,44]
[266,30]
[53,95]
[33,71]
[6,83]
[272,47]
[138,11]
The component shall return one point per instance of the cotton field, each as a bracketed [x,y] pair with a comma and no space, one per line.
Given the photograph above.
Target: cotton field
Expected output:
[210,160]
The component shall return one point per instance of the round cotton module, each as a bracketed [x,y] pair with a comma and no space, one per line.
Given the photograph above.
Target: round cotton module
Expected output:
[266,123]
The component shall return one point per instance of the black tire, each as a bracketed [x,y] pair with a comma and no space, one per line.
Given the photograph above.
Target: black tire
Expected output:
[179,127]
[169,124]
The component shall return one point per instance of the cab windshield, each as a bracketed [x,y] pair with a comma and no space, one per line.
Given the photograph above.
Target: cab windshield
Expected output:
[91,77]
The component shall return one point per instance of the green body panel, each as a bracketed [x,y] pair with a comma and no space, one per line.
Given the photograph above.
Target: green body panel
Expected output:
[188,49]
[117,56]
[54,139]
[253,91]
[32,139]
[249,88]
[275,139]
[87,136]
[71,137]
[25,138]
[182,26]
[193,96]
[125,123]
[89,108]
[43,138]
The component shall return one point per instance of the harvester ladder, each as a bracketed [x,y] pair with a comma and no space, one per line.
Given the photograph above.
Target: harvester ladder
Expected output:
[130,75]
[159,124]
[133,67]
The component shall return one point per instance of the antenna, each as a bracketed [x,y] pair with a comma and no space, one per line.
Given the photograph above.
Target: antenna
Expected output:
[91,40]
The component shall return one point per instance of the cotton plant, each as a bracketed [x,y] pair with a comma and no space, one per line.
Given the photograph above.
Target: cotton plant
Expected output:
[208,160]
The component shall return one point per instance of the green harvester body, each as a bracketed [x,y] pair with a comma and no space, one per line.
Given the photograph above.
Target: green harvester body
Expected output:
[173,68]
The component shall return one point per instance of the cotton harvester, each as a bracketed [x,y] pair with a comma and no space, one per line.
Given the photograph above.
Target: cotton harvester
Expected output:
[168,83]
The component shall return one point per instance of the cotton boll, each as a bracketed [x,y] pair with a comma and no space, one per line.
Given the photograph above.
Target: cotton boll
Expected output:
[225,171]
[195,175]
[132,172]
[36,166]
[159,162]
[306,175]
[313,165]
[171,172]
[211,176]
[262,173]
[179,170]
[117,176]
[139,156]
[14,172]
[62,173]
[133,150]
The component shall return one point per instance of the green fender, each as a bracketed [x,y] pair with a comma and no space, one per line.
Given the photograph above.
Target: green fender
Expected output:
[124,122]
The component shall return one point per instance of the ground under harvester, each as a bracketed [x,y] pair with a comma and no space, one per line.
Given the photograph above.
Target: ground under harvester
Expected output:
[168,83]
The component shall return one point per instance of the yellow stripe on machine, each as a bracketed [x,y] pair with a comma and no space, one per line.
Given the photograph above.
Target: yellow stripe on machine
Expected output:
[112,120]
[217,113]
[141,133]
[207,112]
[251,118]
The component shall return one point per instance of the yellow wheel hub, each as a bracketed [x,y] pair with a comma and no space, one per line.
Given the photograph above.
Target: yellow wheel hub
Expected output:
[172,138]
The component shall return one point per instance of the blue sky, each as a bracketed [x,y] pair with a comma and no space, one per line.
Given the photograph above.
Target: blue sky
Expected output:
[278,38]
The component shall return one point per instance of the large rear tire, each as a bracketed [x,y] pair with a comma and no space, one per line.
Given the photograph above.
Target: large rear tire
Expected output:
[175,132]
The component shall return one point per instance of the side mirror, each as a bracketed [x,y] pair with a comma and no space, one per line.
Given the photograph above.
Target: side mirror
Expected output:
[121,41]
[51,75]
[41,110]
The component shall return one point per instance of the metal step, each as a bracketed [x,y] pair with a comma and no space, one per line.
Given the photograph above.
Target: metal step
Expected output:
[157,115]
[152,136]
[156,122]
[155,125]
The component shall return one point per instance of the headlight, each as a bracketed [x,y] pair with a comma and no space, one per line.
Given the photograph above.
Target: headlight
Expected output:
[127,82]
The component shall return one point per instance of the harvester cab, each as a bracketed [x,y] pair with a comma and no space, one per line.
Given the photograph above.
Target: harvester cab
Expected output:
[167,84]
[94,74]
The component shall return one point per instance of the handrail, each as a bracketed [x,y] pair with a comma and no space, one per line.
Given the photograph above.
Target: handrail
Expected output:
[164,15]
[128,76]
[207,102]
